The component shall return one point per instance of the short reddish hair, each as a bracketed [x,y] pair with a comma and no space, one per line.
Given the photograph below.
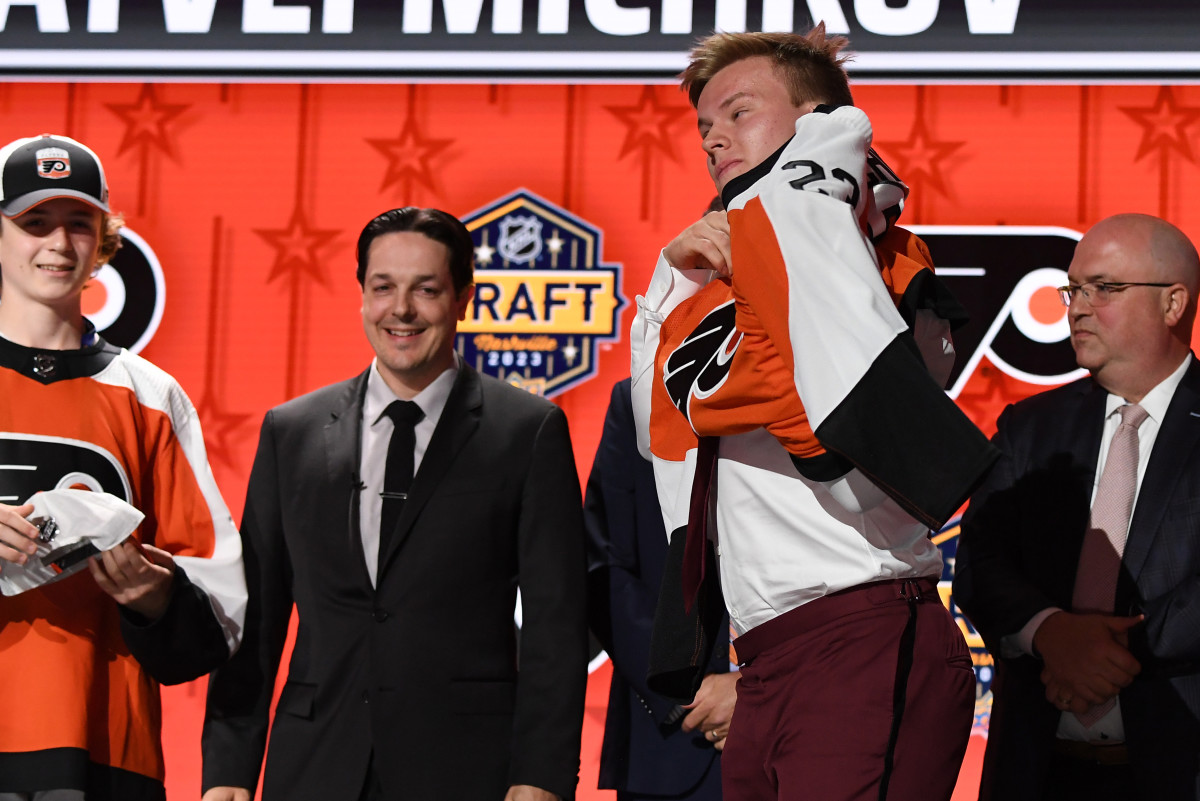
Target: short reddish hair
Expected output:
[811,63]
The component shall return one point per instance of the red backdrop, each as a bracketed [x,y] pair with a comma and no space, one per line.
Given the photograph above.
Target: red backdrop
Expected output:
[252,196]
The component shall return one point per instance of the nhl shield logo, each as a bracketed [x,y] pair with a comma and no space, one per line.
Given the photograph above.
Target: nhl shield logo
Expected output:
[53,162]
[544,301]
[520,238]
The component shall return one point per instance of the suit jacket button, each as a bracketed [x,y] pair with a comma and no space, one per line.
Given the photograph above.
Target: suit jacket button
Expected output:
[380,615]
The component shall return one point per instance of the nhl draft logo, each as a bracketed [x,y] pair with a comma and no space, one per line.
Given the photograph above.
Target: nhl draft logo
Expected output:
[53,162]
[544,301]
[981,659]
[125,299]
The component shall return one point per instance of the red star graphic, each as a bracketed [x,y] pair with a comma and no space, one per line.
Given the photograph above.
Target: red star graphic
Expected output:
[1164,125]
[647,125]
[146,121]
[298,247]
[223,431]
[918,159]
[409,157]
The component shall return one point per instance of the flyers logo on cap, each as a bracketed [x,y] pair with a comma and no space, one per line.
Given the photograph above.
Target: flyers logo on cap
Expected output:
[53,162]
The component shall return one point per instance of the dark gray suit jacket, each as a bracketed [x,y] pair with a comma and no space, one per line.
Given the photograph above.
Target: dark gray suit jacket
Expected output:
[421,670]
[1018,553]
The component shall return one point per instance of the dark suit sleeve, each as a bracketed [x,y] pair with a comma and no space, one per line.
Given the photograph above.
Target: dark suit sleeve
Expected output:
[183,644]
[553,654]
[239,694]
[621,597]
[992,571]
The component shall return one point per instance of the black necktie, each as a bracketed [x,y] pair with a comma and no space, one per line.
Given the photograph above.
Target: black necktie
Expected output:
[398,475]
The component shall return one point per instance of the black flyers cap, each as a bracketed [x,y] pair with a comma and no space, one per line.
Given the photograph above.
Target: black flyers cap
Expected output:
[46,167]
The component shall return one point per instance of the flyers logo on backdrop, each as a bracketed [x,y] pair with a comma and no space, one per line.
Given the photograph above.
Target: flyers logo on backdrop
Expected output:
[125,298]
[544,299]
[53,162]
[1006,276]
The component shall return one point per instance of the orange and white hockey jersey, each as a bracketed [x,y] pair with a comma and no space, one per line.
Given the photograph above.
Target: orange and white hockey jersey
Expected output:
[807,339]
[82,705]
[813,366]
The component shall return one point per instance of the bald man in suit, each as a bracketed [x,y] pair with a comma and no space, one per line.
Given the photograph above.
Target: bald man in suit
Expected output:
[1097,694]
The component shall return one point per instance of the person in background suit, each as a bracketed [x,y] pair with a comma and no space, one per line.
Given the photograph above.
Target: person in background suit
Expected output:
[405,680]
[653,749]
[1091,606]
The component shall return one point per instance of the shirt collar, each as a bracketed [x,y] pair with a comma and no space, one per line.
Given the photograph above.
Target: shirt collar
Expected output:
[1156,400]
[432,399]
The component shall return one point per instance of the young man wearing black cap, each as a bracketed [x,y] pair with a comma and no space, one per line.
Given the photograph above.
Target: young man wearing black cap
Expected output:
[83,656]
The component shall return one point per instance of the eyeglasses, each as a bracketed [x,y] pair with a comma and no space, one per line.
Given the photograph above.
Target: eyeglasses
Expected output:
[1098,293]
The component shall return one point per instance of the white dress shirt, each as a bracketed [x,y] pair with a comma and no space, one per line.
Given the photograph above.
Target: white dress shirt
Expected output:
[377,430]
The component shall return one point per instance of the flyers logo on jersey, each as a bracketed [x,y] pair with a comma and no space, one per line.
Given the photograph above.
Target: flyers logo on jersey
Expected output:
[544,301]
[30,464]
[700,365]
[53,162]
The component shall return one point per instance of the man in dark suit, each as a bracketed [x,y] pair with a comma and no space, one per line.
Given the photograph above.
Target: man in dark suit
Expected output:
[1090,600]
[405,680]
[653,749]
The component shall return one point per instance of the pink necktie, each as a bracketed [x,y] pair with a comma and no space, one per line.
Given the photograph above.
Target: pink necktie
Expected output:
[1104,541]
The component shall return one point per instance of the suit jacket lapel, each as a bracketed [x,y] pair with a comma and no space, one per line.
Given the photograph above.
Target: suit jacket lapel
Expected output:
[343,446]
[458,423]
[1091,422]
[1177,438]
[1083,426]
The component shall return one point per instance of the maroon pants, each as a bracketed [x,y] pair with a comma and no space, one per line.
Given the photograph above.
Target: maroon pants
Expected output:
[866,694]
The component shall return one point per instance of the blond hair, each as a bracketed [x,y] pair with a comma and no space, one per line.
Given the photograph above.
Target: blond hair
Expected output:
[811,63]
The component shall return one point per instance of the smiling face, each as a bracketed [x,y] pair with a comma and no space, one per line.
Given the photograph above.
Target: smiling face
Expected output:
[47,255]
[410,309]
[745,114]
